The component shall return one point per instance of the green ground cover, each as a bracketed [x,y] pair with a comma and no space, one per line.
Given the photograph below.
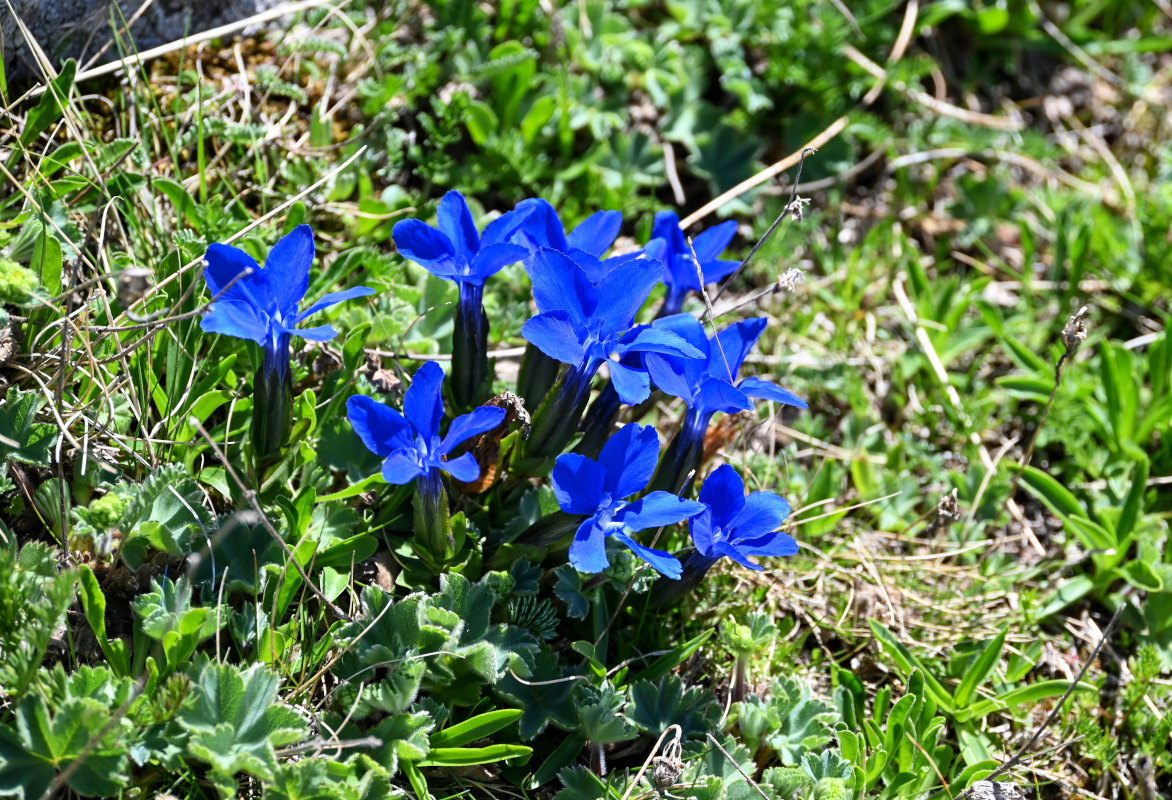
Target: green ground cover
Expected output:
[201,597]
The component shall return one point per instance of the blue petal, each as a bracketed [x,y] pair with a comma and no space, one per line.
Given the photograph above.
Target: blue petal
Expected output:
[771,544]
[701,529]
[402,466]
[235,318]
[288,268]
[670,375]
[474,423]
[553,334]
[333,298]
[656,510]
[664,563]
[596,269]
[735,553]
[762,513]
[318,333]
[455,222]
[577,483]
[596,233]
[505,226]
[542,227]
[494,257]
[650,339]
[728,351]
[724,493]
[465,468]
[423,404]
[381,428]
[224,263]
[712,242]
[588,550]
[560,285]
[628,458]
[633,385]
[623,292]
[422,243]
[717,270]
[666,227]
[716,395]
[766,390]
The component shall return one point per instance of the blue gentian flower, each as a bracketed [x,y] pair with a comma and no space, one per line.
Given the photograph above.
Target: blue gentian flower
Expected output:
[600,489]
[582,325]
[413,450]
[735,526]
[679,270]
[456,252]
[262,305]
[730,526]
[586,244]
[708,385]
[410,441]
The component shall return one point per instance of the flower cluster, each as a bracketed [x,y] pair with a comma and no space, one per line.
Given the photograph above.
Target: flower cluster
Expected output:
[587,302]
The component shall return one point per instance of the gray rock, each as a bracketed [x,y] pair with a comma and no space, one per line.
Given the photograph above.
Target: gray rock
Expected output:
[81,28]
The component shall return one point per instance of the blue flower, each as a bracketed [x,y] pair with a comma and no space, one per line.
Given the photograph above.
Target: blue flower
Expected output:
[456,252]
[679,270]
[261,304]
[542,227]
[735,526]
[600,489]
[582,325]
[708,385]
[410,442]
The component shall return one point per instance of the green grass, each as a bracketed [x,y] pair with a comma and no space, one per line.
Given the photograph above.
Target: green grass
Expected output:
[938,279]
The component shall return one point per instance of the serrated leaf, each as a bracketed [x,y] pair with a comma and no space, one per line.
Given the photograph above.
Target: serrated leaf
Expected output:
[235,721]
[656,706]
[403,737]
[21,438]
[541,700]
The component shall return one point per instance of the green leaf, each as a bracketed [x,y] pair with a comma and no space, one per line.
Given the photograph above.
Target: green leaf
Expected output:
[678,655]
[45,744]
[475,728]
[93,603]
[543,697]
[470,756]
[1133,502]
[235,721]
[49,108]
[1057,497]
[22,439]
[404,739]
[977,672]
[1141,575]
[47,262]
[1027,695]
[906,662]
[600,712]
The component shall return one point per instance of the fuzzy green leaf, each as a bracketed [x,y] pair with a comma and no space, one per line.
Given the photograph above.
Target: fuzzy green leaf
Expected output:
[235,721]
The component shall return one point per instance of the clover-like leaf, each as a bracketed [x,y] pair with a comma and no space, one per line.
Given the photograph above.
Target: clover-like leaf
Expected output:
[235,721]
